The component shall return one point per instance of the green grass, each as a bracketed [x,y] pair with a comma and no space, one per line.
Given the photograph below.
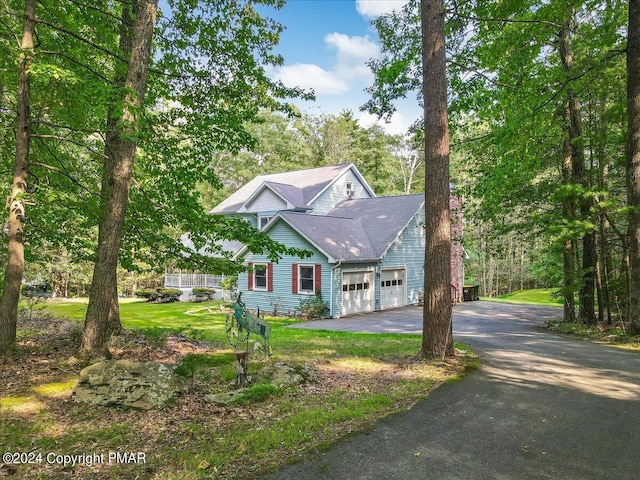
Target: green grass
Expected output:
[540,296]
[363,377]
[612,335]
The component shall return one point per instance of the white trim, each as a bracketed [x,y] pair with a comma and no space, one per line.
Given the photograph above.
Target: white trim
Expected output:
[266,276]
[404,284]
[313,279]
[257,193]
[311,242]
[268,217]
[358,175]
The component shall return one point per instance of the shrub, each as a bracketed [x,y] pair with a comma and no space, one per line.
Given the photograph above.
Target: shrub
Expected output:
[312,307]
[230,283]
[160,295]
[276,303]
[30,290]
[203,293]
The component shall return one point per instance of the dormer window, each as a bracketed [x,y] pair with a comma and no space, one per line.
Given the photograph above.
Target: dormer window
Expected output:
[264,220]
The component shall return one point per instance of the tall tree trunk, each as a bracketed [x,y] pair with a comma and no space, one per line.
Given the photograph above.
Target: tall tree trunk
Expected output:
[112,137]
[437,338]
[604,250]
[589,252]
[119,173]
[568,254]
[633,160]
[15,251]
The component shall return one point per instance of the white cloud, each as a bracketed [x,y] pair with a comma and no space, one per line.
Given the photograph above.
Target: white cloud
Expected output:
[352,53]
[397,125]
[348,69]
[309,76]
[374,8]
[356,48]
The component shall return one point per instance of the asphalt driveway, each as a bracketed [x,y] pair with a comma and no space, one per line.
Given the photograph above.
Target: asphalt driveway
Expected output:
[542,406]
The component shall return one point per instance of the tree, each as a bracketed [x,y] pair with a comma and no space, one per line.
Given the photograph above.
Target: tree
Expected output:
[118,171]
[633,159]
[15,260]
[575,146]
[437,338]
[193,111]
[415,60]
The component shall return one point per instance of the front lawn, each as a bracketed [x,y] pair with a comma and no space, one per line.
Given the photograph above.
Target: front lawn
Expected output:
[541,296]
[361,378]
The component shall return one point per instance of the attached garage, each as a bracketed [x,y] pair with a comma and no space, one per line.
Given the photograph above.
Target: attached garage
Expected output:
[393,288]
[357,292]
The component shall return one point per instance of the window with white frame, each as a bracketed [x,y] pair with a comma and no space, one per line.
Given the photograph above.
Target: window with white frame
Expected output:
[259,276]
[306,279]
[349,189]
[264,220]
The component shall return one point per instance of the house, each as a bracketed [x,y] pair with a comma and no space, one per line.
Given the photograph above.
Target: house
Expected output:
[367,252]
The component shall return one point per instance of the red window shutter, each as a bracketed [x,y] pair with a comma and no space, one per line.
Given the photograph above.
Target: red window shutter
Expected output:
[318,279]
[250,276]
[294,278]
[270,277]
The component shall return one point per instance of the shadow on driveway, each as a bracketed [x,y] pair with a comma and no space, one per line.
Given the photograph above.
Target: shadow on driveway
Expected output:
[542,406]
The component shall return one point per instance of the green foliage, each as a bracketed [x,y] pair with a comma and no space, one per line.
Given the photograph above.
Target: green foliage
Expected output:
[203,293]
[312,307]
[615,335]
[193,363]
[160,295]
[258,393]
[31,290]
[230,283]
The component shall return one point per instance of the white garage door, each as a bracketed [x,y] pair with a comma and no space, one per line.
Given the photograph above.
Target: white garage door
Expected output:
[357,292]
[392,288]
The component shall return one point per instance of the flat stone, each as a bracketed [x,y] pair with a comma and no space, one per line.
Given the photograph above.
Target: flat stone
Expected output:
[286,375]
[129,384]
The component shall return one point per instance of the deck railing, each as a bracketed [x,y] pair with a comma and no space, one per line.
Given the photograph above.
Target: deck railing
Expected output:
[190,280]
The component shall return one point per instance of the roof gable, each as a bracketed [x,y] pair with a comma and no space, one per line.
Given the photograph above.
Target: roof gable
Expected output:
[356,230]
[271,196]
[383,218]
[299,188]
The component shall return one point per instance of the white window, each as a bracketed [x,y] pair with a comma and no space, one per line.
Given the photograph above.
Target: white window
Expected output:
[349,189]
[306,279]
[264,220]
[259,276]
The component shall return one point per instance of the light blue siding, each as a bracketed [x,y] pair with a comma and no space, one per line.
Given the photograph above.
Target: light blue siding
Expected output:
[408,252]
[282,274]
[337,193]
[245,216]
[267,201]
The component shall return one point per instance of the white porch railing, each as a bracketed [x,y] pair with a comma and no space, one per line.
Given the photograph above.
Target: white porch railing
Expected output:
[190,280]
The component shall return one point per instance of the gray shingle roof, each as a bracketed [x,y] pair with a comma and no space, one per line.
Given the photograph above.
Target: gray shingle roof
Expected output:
[299,187]
[292,194]
[340,238]
[383,217]
[358,229]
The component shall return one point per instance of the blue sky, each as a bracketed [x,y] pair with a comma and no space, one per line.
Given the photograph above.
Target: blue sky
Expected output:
[325,46]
